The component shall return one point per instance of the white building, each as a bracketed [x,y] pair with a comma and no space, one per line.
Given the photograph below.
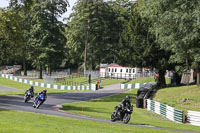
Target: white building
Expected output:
[116,71]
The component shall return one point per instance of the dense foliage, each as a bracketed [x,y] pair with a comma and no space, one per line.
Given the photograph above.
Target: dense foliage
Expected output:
[157,34]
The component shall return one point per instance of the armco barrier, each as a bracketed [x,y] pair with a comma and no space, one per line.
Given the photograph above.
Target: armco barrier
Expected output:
[61,87]
[166,111]
[129,86]
[193,118]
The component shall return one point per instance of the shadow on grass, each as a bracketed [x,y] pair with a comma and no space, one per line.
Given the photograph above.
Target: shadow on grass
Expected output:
[84,109]
[3,109]
[118,98]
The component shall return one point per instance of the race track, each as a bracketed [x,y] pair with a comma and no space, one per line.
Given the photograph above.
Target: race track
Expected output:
[50,105]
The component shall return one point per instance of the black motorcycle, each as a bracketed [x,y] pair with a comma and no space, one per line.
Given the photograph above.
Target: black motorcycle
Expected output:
[122,115]
[27,96]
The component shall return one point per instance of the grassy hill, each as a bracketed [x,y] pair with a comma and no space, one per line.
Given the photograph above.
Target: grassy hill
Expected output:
[174,96]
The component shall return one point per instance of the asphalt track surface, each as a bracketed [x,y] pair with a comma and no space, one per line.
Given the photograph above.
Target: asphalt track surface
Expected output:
[3,88]
[51,105]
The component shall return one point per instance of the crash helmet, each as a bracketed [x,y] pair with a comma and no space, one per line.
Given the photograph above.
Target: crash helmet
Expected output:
[32,87]
[45,90]
[127,97]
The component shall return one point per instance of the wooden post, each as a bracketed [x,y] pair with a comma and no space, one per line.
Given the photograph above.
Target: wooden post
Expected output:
[184,117]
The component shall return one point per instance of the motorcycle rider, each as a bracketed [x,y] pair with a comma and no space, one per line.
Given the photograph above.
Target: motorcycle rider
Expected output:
[31,89]
[44,92]
[123,105]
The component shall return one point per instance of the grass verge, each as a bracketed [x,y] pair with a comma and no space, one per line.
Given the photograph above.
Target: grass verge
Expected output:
[174,96]
[102,108]
[104,81]
[23,87]
[25,122]
[145,80]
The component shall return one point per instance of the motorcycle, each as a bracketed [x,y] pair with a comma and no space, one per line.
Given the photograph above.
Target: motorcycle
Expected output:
[39,101]
[27,96]
[122,115]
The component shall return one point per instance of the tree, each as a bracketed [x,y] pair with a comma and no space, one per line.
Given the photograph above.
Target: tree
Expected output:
[140,48]
[102,22]
[10,35]
[46,36]
[22,8]
[176,24]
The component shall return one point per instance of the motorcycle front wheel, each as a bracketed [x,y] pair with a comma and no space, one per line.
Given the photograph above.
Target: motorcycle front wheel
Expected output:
[126,118]
[26,99]
[38,104]
[112,117]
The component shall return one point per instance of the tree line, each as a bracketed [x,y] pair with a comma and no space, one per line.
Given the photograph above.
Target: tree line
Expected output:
[157,34]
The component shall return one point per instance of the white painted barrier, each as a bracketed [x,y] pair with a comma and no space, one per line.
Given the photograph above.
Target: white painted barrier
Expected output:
[165,110]
[193,118]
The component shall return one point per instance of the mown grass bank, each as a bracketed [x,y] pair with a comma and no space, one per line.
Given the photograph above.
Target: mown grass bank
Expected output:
[102,108]
[145,80]
[23,87]
[79,81]
[25,122]
[174,96]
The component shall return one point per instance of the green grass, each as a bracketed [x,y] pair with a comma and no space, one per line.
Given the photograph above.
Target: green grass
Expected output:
[102,108]
[23,87]
[37,80]
[107,81]
[141,80]
[173,96]
[145,80]
[25,122]
[104,82]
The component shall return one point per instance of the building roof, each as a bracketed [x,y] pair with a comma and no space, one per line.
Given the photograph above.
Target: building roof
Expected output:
[113,64]
[109,65]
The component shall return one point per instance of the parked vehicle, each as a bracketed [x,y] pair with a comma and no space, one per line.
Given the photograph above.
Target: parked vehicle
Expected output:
[122,115]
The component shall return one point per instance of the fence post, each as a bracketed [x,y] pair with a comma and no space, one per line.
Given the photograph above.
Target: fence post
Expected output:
[184,117]
[145,103]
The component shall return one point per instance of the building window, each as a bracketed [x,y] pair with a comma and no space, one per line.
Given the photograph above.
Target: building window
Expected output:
[115,69]
[129,70]
[109,69]
[126,70]
[121,70]
[112,69]
[133,70]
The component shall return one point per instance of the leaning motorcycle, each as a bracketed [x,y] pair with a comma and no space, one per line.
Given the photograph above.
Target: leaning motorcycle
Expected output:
[39,101]
[122,115]
[27,96]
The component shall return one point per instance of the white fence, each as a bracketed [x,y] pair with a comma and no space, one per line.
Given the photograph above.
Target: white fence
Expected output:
[53,86]
[130,86]
[193,118]
[166,111]
[125,75]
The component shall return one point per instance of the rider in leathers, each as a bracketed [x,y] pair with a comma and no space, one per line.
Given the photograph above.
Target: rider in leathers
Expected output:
[44,92]
[31,91]
[121,107]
